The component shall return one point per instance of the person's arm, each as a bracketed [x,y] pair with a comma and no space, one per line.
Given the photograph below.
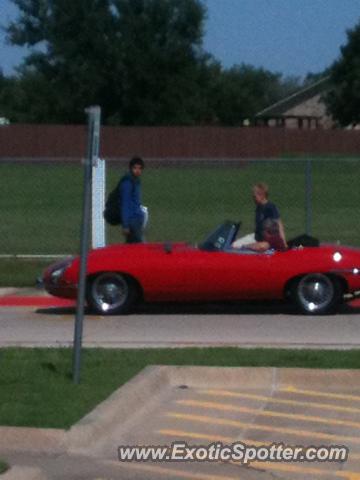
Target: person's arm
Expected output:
[256,246]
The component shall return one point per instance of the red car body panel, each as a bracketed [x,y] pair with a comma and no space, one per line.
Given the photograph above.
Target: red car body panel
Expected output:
[179,272]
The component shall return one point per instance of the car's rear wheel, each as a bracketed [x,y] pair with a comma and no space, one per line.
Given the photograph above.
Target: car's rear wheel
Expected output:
[111,293]
[317,294]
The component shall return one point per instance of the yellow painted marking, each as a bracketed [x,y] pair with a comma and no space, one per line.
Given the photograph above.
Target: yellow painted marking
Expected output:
[279,467]
[354,456]
[267,428]
[276,466]
[175,434]
[285,467]
[263,398]
[316,393]
[211,438]
[198,436]
[173,472]
[268,413]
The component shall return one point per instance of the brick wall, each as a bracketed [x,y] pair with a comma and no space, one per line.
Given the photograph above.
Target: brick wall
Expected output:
[69,142]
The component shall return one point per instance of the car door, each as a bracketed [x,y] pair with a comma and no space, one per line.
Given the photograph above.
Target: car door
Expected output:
[225,275]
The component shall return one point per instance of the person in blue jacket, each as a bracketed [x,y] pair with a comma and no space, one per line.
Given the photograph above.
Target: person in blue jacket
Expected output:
[130,202]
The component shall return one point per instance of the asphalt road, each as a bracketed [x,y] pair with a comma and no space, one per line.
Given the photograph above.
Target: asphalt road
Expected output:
[242,325]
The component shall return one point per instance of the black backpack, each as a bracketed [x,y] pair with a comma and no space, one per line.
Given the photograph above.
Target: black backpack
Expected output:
[303,240]
[112,212]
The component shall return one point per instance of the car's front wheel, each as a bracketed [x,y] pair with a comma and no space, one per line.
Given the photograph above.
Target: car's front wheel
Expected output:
[111,293]
[317,294]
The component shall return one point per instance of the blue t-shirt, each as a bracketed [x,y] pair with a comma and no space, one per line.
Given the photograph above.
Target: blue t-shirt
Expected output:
[262,213]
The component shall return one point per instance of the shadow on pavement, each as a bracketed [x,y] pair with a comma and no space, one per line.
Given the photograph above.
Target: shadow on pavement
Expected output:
[216,308]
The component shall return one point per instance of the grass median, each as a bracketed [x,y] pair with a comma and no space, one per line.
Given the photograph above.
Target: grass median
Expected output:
[3,467]
[36,387]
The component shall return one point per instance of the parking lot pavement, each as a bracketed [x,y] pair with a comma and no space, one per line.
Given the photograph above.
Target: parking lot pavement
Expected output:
[208,406]
[307,408]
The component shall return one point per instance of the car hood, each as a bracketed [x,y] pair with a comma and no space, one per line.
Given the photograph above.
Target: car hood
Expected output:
[139,249]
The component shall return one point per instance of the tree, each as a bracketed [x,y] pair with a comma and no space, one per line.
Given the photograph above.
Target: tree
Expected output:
[343,100]
[72,46]
[29,98]
[162,60]
[141,60]
[244,90]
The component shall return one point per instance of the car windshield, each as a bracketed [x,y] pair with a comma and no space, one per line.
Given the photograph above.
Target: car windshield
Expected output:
[221,238]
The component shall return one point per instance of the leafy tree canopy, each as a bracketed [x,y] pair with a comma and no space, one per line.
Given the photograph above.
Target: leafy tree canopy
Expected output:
[136,58]
[244,90]
[344,98]
[141,60]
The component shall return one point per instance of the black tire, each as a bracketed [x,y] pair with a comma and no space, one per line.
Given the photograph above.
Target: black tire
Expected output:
[317,294]
[111,293]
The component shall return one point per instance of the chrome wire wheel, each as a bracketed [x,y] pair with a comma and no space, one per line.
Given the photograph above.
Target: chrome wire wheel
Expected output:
[110,293]
[316,293]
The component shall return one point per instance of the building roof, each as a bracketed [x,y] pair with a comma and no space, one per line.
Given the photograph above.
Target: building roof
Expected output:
[296,98]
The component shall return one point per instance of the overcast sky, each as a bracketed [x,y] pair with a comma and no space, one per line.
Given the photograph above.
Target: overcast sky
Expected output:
[293,37]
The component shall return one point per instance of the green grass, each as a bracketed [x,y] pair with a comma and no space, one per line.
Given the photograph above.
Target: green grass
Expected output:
[19,272]
[36,387]
[41,204]
[3,467]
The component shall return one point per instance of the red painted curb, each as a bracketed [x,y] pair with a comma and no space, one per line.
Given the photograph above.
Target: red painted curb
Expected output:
[34,301]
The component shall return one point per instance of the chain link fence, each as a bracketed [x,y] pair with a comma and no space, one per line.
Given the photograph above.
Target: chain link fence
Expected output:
[319,197]
[41,202]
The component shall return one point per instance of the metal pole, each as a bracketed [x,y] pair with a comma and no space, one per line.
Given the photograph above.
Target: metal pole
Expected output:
[98,204]
[308,197]
[92,152]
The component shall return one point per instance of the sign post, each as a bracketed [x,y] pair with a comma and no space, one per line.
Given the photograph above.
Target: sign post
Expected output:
[94,114]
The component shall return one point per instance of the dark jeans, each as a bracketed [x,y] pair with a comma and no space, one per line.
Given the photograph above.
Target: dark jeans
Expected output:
[136,231]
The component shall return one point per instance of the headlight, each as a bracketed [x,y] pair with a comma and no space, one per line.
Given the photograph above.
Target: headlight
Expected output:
[57,274]
[59,270]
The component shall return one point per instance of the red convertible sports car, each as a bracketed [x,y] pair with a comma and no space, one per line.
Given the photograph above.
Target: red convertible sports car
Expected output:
[316,279]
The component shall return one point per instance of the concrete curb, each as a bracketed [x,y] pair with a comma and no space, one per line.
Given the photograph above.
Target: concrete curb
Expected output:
[24,473]
[37,440]
[9,291]
[118,408]
[22,291]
